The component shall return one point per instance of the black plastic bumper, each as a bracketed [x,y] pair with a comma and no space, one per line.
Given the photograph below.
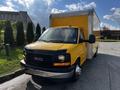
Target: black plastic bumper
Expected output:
[55,72]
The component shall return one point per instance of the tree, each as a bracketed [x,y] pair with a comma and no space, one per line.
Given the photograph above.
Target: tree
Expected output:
[14,25]
[2,24]
[8,34]
[0,32]
[43,29]
[20,37]
[38,32]
[30,33]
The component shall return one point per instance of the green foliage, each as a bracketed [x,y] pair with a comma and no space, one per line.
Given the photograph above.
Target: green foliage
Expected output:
[8,34]
[8,66]
[43,29]
[20,37]
[30,33]
[14,25]
[0,36]
[38,32]
[2,24]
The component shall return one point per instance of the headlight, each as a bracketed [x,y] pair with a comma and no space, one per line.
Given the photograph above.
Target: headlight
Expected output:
[63,60]
[61,57]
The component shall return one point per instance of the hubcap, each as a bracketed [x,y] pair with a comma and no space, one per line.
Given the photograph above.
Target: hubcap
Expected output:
[78,70]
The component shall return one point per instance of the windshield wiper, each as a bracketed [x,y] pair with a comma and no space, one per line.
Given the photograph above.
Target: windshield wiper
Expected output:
[43,40]
[56,41]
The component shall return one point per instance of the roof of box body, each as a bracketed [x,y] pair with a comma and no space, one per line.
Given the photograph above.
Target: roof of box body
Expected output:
[73,13]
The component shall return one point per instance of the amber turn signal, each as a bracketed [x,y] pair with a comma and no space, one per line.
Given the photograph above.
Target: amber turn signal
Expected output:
[62,64]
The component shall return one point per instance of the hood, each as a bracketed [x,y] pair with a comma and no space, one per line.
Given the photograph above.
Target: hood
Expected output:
[39,45]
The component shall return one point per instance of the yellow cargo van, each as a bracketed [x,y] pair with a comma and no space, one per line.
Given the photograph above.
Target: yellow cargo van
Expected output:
[64,47]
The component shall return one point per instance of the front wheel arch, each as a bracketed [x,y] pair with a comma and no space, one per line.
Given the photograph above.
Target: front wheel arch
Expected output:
[77,61]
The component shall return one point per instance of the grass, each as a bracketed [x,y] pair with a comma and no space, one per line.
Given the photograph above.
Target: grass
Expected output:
[11,63]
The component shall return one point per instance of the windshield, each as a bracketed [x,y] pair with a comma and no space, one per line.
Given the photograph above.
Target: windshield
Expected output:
[60,35]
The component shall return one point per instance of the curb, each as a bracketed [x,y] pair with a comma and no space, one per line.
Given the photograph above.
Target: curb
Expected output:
[11,75]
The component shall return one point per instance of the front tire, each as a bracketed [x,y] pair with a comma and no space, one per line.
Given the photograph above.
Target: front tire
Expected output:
[77,72]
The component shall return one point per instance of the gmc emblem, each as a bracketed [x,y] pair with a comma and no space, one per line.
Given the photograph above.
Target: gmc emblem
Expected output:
[38,59]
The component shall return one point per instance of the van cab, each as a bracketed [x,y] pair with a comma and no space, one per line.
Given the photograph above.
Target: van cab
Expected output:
[58,53]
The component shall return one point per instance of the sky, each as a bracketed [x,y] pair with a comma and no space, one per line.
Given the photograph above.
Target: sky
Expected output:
[108,11]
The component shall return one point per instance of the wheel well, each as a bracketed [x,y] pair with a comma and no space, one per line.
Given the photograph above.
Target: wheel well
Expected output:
[77,60]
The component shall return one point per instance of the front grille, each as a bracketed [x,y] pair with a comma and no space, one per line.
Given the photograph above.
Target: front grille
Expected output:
[39,60]
[42,58]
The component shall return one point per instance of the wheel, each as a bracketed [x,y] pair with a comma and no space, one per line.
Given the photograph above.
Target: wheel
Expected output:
[77,72]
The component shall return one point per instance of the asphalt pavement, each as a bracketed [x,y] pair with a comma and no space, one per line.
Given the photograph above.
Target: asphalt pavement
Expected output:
[100,73]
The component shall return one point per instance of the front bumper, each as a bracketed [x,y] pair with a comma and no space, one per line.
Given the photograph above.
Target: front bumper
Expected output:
[44,73]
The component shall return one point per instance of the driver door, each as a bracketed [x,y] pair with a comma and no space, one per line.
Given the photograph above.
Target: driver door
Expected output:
[82,47]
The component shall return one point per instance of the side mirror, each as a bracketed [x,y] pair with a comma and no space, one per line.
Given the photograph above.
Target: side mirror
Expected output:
[81,40]
[92,38]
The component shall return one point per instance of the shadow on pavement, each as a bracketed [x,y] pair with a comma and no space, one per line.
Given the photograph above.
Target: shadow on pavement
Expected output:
[96,75]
